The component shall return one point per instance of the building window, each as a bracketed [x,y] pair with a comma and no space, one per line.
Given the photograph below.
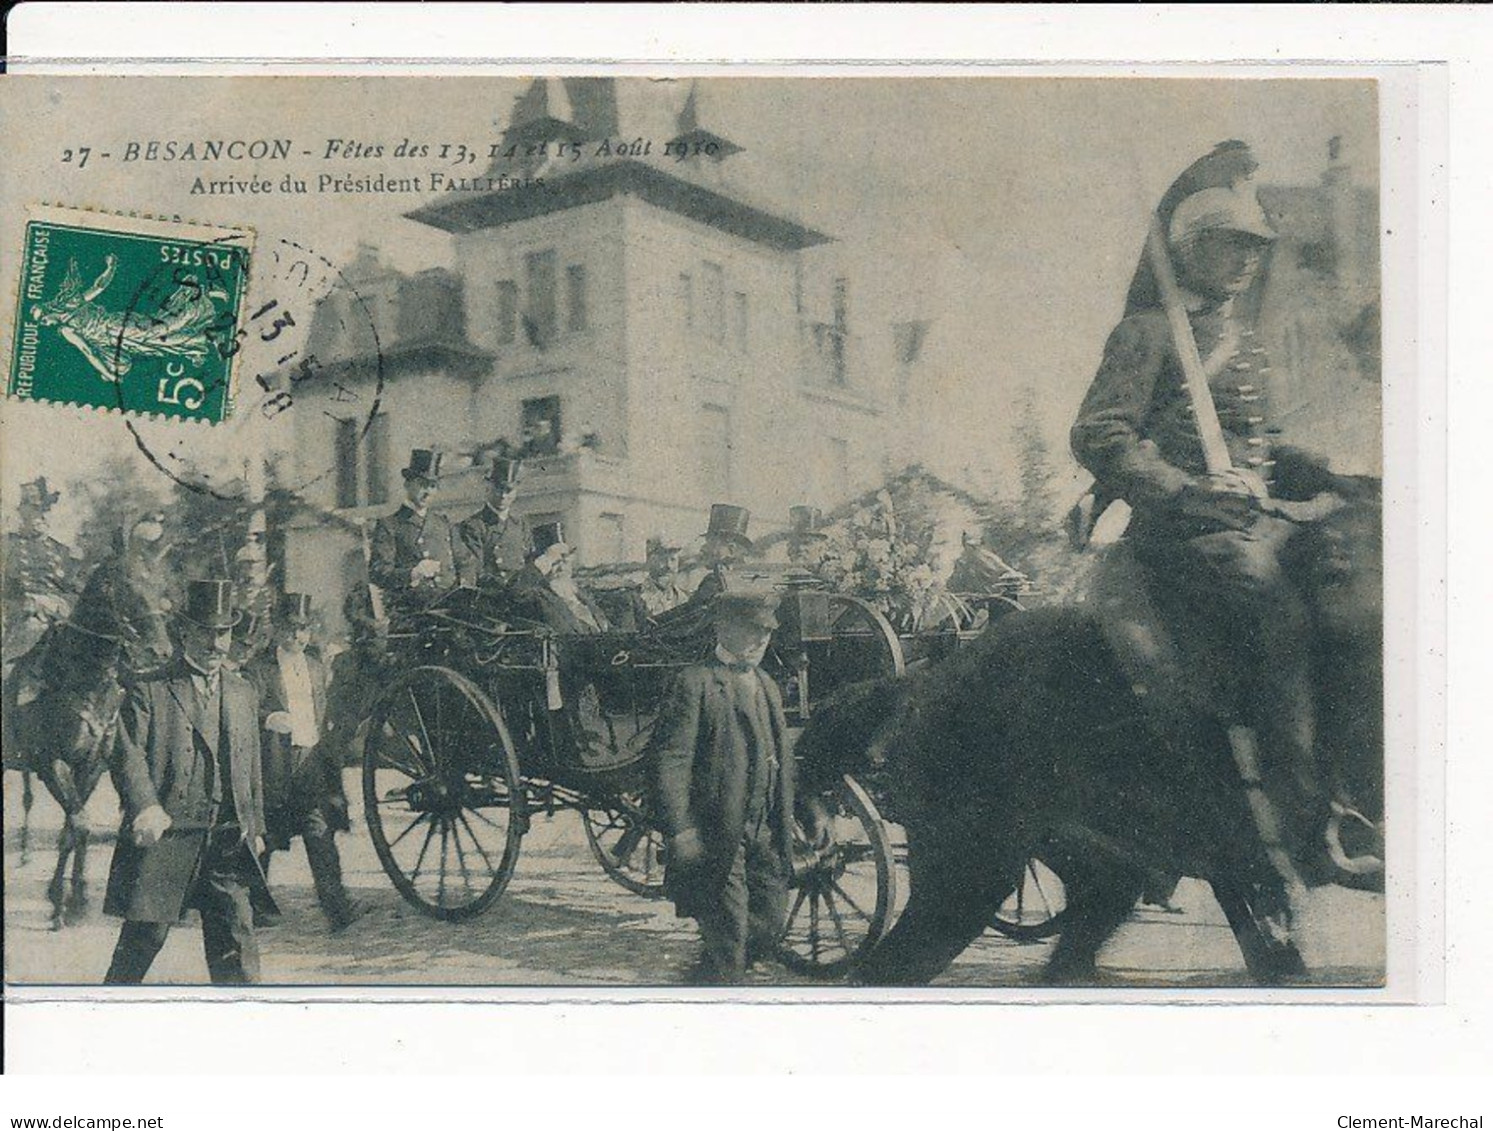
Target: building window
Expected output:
[541,313]
[541,426]
[611,539]
[840,330]
[347,463]
[713,302]
[834,471]
[686,300]
[739,322]
[376,459]
[507,312]
[576,318]
[715,451]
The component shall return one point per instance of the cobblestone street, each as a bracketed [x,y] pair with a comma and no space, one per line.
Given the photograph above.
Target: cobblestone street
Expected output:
[563,922]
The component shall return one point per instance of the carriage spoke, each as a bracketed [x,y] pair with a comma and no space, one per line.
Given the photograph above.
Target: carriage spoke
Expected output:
[461,858]
[440,896]
[797,903]
[420,860]
[829,902]
[486,859]
[627,844]
[845,895]
[486,820]
[408,828]
[814,926]
[425,734]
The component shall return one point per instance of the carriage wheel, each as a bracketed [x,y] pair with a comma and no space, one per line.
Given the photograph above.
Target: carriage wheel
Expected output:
[442,793]
[628,848]
[843,890]
[1035,910]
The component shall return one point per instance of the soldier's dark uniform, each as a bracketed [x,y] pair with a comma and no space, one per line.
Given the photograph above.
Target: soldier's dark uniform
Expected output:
[1137,433]
[41,584]
[484,536]
[403,540]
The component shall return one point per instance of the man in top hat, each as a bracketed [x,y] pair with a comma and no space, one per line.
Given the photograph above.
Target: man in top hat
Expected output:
[726,543]
[1211,538]
[186,764]
[303,794]
[415,552]
[545,588]
[724,786]
[661,590]
[483,534]
[806,543]
[42,575]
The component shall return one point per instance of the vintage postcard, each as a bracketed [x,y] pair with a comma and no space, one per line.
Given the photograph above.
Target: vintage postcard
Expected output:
[587,530]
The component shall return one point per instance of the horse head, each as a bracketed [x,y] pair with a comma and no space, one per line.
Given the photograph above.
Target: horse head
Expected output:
[139,613]
[1338,562]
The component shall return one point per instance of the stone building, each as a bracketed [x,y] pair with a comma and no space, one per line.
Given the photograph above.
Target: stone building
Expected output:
[639,324]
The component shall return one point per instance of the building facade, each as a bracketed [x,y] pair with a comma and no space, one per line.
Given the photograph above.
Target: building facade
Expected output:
[639,328]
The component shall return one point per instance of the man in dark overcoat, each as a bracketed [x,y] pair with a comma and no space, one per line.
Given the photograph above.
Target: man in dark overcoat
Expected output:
[186,766]
[545,588]
[303,790]
[724,784]
[415,553]
[484,535]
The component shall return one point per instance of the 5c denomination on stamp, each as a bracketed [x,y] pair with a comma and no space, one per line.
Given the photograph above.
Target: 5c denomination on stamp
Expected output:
[129,313]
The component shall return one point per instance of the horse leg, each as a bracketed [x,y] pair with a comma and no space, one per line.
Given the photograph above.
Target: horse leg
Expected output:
[28,799]
[77,898]
[955,891]
[57,889]
[1260,916]
[1100,899]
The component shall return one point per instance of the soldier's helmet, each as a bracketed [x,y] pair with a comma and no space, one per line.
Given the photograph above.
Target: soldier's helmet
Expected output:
[1233,209]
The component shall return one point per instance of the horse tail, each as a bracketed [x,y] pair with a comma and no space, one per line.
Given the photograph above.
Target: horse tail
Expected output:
[843,729]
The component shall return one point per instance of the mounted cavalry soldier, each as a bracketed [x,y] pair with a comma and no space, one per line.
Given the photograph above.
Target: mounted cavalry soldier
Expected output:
[1178,423]
[483,535]
[416,554]
[186,765]
[41,573]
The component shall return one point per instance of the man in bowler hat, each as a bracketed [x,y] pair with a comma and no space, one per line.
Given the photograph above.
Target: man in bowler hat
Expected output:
[415,552]
[483,534]
[302,773]
[724,784]
[186,765]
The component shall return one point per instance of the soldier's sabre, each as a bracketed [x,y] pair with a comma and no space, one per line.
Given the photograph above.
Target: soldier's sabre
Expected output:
[1210,431]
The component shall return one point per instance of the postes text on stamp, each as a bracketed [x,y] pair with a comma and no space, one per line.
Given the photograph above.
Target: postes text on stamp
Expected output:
[129,313]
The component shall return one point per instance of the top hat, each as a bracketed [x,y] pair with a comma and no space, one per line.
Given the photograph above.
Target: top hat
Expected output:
[803,522]
[294,609]
[424,464]
[37,493]
[757,605]
[658,546]
[729,522]
[504,472]
[210,604]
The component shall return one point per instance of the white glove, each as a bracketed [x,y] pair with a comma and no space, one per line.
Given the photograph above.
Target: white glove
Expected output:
[149,826]
[277,722]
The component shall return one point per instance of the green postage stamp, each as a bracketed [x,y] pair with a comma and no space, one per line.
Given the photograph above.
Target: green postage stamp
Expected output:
[129,313]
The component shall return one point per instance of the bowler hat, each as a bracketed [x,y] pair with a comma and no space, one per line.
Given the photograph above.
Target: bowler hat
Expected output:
[424,464]
[294,609]
[210,604]
[504,472]
[803,522]
[36,492]
[757,605]
[730,523]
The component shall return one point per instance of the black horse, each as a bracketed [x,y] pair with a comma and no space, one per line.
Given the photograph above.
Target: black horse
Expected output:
[1030,743]
[62,700]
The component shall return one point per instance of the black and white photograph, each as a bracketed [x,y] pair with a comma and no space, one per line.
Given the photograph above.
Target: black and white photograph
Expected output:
[822,533]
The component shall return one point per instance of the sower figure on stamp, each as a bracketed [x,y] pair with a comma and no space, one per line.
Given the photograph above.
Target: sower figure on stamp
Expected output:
[416,555]
[303,794]
[724,780]
[187,768]
[484,534]
[1207,538]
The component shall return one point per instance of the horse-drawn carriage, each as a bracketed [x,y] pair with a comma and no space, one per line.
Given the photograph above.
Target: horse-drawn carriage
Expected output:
[487,720]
